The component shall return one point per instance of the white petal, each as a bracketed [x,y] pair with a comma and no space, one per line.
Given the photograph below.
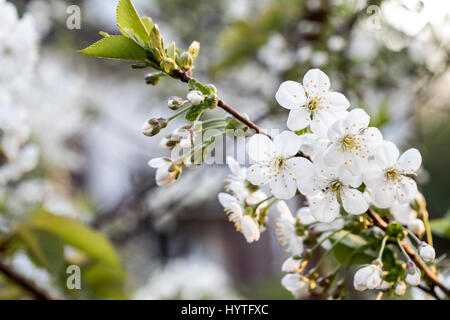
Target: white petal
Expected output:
[410,161]
[258,174]
[305,216]
[316,82]
[333,156]
[384,195]
[353,201]
[373,138]
[157,162]
[337,131]
[287,144]
[348,178]
[357,119]
[283,209]
[291,265]
[407,190]
[373,174]
[298,119]
[403,213]
[282,186]
[250,229]
[386,154]
[336,100]
[291,95]
[260,148]
[226,200]
[234,166]
[324,207]
[321,121]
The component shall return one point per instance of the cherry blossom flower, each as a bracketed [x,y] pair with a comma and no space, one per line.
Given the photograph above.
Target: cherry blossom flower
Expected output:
[311,104]
[353,142]
[275,163]
[412,274]
[426,252]
[323,185]
[387,175]
[195,97]
[405,215]
[291,265]
[295,284]
[168,170]
[285,230]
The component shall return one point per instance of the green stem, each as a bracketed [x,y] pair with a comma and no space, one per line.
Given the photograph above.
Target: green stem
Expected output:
[213,127]
[210,121]
[403,250]
[412,235]
[383,245]
[179,113]
[256,205]
[323,240]
[322,259]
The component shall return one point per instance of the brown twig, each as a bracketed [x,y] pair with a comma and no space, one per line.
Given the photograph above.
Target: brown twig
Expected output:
[27,284]
[414,256]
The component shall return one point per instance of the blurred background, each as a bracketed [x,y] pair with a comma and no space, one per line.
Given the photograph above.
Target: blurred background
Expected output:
[72,149]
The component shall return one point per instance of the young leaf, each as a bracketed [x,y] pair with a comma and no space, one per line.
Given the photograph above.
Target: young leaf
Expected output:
[171,51]
[195,112]
[194,49]
[116,47]
[77,235]
[130,24]
[148,23]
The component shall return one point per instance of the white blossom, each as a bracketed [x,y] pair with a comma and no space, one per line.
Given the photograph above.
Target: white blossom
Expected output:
[275,164]
[168,171]
[387,175]
[322,185]
[353,142]
[368,277]
[295,284]
[195,97]
[285,230]
[291,265]
[311,104]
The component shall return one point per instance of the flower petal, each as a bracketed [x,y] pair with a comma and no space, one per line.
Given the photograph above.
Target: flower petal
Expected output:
[333,156]
[336,100]
[226,200]
[291,95]
[356,120]
[298,119]
[407,190]
[353,201]
[282,186]
[258,174]
[386,154]
[305,216]
[316,82]
[260,148]
[384,195]
[234,166]
[324,207]
[157,162]
[287,144]
[410,161]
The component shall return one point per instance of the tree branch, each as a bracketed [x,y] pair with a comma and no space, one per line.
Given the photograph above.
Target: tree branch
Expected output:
[27,284]
[414,256]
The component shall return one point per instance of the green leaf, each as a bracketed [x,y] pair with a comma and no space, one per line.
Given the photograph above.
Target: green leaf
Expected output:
[171,51]
[194,84]
[77,235]
[148,23]
[116,47]
[441,226]
[195,112]
[352,250]
[194,49]
[130,24]
[46,248]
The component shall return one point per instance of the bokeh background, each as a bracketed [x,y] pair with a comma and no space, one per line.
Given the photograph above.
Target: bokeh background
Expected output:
[84,117]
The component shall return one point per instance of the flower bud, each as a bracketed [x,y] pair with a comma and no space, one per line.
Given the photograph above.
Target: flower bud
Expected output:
[426,252]
[417,227]
[368,277]
[153,126]
[412,274]
[250,229]
[195,97]
[186,61]
[176,103]
[291,265]
[400,288]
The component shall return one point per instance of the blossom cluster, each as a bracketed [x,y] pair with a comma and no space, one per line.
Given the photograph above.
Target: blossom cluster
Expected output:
[342,167]
[17,154]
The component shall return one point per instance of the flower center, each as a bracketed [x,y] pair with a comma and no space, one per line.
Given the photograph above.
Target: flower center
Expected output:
[392,174]
[349,142]
[279,163]
[313,103]
[334,186]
